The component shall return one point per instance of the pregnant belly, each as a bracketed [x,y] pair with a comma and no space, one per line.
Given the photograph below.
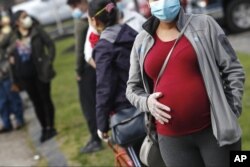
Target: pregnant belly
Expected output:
[190,108]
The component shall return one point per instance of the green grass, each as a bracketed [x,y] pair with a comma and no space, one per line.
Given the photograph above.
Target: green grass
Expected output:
[70,123]
[245,117]
[72,127]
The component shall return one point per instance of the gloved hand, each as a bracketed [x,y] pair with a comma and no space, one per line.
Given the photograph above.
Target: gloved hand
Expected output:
[157,109]
[103,135]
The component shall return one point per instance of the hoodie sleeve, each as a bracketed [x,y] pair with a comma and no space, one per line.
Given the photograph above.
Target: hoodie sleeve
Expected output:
[49,44]
[231,70]
[80,33]
[135,91]
[106,81]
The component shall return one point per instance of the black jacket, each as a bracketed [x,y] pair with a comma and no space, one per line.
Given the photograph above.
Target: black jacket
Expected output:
[80,33]
[112,56]
[43,52]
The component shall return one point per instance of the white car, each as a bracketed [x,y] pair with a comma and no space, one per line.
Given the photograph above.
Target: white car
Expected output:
[45,11]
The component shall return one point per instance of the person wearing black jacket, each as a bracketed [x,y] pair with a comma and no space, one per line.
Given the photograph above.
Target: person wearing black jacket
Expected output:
[32,53]
[112,58]
[10,100]
[85,74]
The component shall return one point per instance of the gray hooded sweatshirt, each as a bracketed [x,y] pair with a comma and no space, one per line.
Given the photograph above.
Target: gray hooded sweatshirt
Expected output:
[221,70]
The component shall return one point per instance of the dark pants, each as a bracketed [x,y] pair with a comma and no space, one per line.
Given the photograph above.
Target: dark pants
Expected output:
[87,92]
[39,93]
[196,150]
[10,102]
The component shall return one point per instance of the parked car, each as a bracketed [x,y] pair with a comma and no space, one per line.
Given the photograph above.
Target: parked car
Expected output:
[45,11]
[235,14]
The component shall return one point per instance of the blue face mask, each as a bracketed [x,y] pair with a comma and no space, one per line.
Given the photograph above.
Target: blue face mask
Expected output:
[165,10]
[77,13]
[120,5]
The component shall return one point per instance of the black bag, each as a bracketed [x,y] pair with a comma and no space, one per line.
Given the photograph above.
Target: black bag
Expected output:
[128,127]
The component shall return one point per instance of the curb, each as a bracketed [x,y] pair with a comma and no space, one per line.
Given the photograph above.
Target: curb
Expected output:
[49,149]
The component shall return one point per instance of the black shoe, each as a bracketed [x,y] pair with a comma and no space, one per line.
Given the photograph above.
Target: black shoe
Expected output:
[51,133]
[5,130]
[91,146]
[48,134]
[43,135]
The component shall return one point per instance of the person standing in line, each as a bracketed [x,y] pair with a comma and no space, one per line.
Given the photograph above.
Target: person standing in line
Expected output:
[10,100]
[31,53]
[129,17]
[203,66]
[111,55]
[85,74]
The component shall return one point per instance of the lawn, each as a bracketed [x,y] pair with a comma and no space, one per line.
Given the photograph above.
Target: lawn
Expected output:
[72,127]
[245,117]
[69,119]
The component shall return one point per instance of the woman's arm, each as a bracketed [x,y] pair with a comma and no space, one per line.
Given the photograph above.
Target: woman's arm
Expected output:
[92,62]
[49,43]
[106,82]
[232,73]
[136,92]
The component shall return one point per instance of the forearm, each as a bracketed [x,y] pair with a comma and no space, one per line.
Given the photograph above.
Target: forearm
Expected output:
[92,63]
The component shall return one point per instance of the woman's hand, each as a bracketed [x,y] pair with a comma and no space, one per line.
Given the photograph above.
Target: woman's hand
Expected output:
[12,60]
[78,78]
[103,135]
[158,110]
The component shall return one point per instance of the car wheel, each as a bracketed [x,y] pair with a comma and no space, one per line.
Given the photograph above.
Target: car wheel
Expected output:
[238,15]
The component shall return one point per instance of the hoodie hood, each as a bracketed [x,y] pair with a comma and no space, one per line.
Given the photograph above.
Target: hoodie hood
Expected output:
[152,23]
[119,34]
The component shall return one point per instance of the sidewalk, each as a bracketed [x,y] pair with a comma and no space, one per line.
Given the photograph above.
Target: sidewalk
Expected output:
[15,149]
[16,146]
[240,42]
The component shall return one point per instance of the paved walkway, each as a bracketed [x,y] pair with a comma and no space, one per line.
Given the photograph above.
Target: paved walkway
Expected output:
[15,149]
[241,42]
[49,150]
[16,146]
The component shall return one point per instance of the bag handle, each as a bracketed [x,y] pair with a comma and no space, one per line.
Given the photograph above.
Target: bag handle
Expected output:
[170,52]
[162,70]
[117,155]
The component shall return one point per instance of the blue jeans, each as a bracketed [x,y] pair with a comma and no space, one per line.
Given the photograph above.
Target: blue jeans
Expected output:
[10,102]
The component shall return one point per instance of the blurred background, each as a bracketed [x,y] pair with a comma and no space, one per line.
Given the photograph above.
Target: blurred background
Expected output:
[233,15]
[55,16]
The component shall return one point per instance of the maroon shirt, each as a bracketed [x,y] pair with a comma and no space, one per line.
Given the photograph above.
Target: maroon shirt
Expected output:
[182,87]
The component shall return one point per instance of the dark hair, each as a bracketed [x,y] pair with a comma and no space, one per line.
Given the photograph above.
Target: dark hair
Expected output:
[16,16]
[105,17]
[75,2]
